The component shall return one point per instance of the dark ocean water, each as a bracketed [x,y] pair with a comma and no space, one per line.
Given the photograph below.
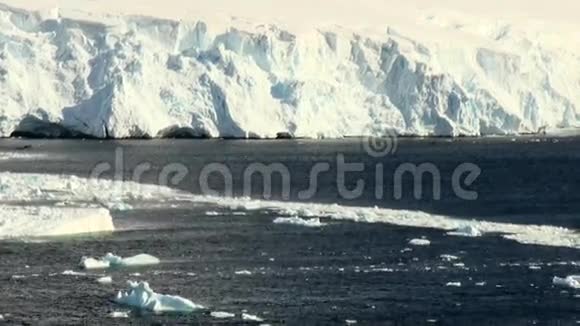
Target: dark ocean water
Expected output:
[302,276]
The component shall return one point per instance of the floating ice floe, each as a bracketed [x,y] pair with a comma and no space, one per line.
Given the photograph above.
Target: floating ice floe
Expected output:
[222,314]
[572,281]
[111,260]
[73,273]
[313,222]
[244,272]
[140,295]
[80,204]
[119,314]
[105,280]
[420,242]
[246,316]
[466,231]
[453,284]
[446,257]
[49,221]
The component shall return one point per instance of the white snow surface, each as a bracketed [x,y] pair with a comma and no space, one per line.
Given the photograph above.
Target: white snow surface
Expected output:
[224,68]
[140,295]
[572,281]
[111,260]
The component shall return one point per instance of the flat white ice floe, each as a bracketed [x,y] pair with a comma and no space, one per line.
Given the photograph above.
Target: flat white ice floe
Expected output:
[81,204]
[140,295]
[249,317]
[49,221]
[312,222]
[119,314]
[111,260]
[572,281]
[222,314]
[446,257]
[453,284]
[243,272]
[419,242]
[105,280]
[132,68]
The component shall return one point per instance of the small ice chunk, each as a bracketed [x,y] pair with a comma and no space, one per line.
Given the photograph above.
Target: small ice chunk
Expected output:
[572,281]
[140,295]
[466,231]
[211,213]
[313,222]
[137,260]
[1,317]
[105,280]
[249,317]
[92,263]
[119,314]
[111,260]
[222,314]
[453,284]
[244,272]
[350,321]
[420,242]
[73,273]
[448,257]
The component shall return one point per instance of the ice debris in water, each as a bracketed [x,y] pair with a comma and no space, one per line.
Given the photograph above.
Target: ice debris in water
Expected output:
[111,260]
[119,314]
[572,281]
[453,284]
[446,257]
[73,273]
[419,242]
[466,231]
[222,314]
[140,295]
[249,317]
[244,272]
[314,222]
[105,280]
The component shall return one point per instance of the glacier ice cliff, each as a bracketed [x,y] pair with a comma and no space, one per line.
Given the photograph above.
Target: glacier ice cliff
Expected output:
[130,76]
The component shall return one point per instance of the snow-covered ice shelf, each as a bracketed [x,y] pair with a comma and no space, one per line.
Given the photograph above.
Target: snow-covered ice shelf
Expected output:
[254,69]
